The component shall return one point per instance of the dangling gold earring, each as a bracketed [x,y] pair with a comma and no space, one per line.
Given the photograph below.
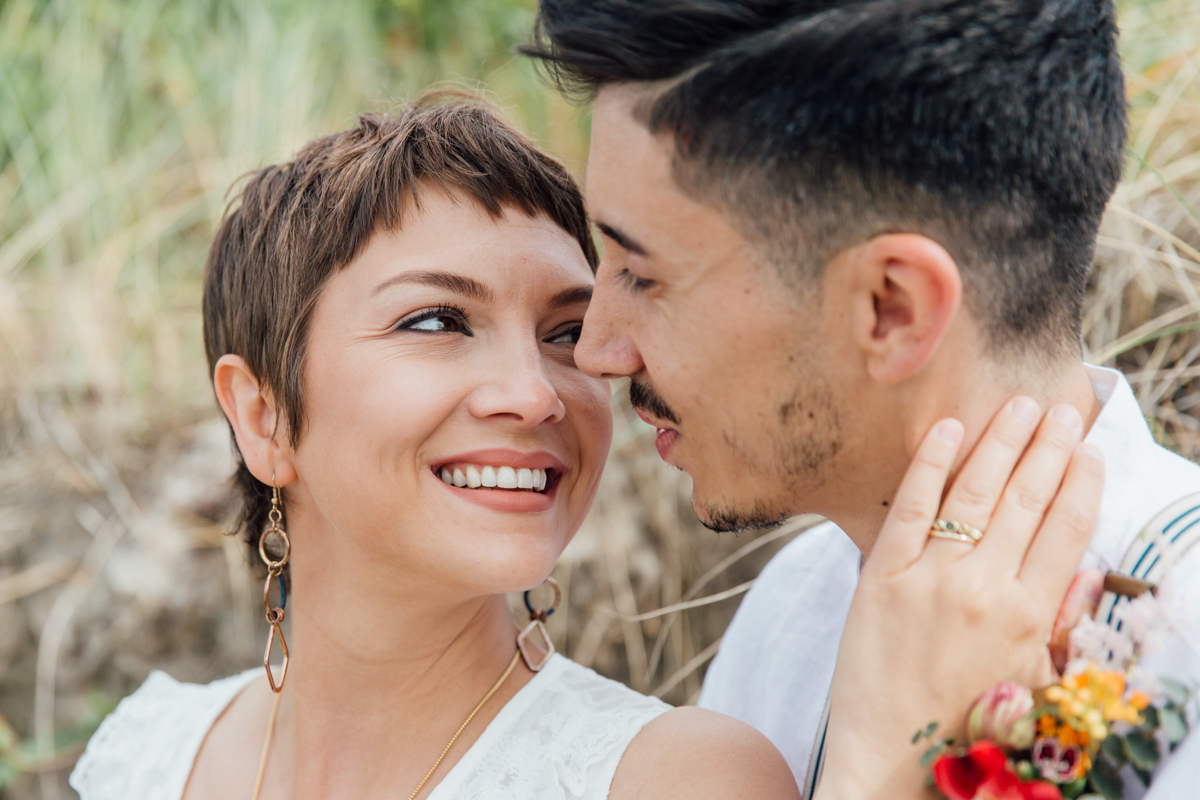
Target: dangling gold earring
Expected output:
[275,570]
[537,622]
[274,619]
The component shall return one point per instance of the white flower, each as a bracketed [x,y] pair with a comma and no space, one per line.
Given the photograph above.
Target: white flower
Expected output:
[1096,643]
[1144,621]
[1139,680]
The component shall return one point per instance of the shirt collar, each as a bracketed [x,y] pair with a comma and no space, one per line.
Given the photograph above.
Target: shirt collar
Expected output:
[1141,477]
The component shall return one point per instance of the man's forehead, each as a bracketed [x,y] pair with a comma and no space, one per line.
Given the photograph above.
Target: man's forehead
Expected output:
[618,132]
[628,173]
[632,191]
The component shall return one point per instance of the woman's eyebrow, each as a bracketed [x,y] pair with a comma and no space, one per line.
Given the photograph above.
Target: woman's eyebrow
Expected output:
[572,296]
[459,284]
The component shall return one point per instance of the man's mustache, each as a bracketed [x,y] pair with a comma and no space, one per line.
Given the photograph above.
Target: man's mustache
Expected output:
[642,396]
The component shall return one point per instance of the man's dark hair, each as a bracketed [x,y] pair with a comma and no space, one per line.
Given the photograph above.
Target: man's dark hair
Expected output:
[995,127]
[293,225]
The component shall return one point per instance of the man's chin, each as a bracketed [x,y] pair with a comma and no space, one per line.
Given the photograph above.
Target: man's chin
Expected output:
[729,517]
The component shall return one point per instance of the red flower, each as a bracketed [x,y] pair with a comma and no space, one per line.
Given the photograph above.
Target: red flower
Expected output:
[982,773]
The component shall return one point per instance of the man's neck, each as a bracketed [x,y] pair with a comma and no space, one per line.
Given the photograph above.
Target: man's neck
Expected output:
[973,402]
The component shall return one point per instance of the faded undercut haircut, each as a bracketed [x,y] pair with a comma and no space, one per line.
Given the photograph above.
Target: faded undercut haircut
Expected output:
[292,225]
[995,127]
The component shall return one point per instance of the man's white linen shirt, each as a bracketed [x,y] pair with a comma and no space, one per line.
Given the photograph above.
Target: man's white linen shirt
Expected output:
[777,658]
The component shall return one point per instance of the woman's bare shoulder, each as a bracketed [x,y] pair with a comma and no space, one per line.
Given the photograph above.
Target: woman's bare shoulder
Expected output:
[693,753]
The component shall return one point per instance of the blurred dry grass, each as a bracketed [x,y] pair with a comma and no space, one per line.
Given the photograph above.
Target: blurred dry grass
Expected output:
[121,126]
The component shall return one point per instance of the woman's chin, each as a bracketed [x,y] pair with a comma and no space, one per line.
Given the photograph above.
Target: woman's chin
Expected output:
[504,565]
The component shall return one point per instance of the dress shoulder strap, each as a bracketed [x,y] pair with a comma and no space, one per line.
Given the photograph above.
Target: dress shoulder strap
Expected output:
[1158,547]
[145,749]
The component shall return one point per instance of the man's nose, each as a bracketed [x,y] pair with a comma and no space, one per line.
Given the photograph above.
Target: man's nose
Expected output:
[606,348]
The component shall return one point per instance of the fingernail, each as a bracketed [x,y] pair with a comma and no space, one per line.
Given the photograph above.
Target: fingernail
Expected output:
[1068,415]
[1090,450]
[949,430]
[1026,410]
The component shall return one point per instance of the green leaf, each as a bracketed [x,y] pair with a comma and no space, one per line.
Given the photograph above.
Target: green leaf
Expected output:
[1074,788]
[932,754]
[930,728]
[1176,692]
[1142,750]
[1104,780]
[916,737]
[1174,725]
[1150,715]
[1111,749]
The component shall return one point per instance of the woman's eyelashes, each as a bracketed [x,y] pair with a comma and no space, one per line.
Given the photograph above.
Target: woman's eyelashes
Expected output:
[568,335]
[440,319]
[450,319]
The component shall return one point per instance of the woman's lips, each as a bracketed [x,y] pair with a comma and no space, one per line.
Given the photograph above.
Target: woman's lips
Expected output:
[513,500]
[503,479]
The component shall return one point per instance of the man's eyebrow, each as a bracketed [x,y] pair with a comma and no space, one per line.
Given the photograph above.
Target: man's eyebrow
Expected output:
[459,284]
[572,296]
[623,240]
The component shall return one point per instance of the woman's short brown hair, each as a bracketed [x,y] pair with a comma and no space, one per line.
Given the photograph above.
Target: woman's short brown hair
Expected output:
[293,225]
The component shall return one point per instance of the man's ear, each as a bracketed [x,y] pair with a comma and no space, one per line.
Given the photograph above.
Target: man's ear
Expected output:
[906,290]
[251,414]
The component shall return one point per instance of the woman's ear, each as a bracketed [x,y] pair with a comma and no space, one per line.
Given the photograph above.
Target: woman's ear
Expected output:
[251,414]
[906,291]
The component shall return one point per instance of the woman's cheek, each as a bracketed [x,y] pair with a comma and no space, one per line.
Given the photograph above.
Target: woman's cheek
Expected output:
[591,407]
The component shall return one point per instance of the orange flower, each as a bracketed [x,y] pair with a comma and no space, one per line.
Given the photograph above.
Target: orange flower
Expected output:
[1139,701]
[1091,700]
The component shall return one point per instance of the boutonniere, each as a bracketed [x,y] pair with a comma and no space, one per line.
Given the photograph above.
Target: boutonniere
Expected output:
[1075,738]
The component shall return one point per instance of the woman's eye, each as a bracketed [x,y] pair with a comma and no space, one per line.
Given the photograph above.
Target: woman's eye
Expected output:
[437,320]
[440,324]
[569,336]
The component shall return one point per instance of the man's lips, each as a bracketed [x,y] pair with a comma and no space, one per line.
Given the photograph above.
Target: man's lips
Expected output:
[651,420]
[664,441]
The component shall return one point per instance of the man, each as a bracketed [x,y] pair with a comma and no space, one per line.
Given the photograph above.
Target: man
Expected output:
[827,225]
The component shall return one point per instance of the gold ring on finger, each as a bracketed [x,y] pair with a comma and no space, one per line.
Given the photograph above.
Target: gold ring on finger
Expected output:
[956,531]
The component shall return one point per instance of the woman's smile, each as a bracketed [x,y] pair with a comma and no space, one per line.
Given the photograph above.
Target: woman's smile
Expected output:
[503,479]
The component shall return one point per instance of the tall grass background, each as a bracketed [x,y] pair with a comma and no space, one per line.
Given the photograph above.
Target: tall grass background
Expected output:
[122,125]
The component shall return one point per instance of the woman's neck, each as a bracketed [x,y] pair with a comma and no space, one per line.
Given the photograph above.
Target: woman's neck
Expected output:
[379,681]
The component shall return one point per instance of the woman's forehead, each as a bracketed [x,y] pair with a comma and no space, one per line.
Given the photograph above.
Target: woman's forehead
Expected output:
[460,247]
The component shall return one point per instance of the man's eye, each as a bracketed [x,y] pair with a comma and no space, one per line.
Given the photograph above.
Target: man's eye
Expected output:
[634,282]
[437,320]
[569,336]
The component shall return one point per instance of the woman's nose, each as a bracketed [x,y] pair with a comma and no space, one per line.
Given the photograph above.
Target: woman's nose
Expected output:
[519,388]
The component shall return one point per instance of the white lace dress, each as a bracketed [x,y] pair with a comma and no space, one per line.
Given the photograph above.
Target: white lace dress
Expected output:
[559,738]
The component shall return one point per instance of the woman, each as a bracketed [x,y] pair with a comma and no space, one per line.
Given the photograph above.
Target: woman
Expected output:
[389,320]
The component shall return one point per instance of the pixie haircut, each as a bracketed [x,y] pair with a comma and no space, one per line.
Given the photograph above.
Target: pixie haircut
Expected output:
[293,225]
[995,127]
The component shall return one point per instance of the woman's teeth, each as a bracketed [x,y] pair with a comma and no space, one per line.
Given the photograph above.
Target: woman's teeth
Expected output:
[487,477]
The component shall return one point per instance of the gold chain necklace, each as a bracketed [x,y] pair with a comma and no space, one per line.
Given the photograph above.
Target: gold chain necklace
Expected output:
[262,763]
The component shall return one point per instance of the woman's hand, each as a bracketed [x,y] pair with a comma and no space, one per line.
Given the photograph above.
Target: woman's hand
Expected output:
[935,623]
